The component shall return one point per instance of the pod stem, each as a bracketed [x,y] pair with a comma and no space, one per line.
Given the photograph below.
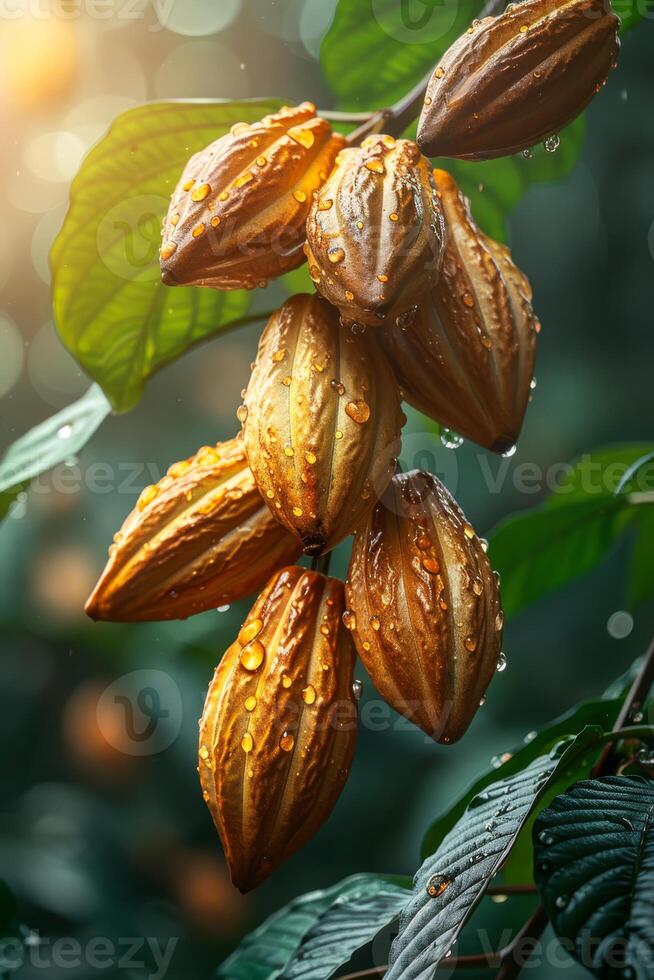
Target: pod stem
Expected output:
[321,563]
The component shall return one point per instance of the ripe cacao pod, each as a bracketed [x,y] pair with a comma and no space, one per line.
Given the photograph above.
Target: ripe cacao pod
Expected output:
[237,217]
[278,730]
[321,421]
[515,79]
[467,358]
[374,231]
[200,538]
[424,606]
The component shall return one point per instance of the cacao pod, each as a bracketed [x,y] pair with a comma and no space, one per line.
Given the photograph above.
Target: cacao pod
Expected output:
[374,231]
[424,606]
[467,358]
[278,730]
[201,538]
[321,421]
[237,217]
[515,79]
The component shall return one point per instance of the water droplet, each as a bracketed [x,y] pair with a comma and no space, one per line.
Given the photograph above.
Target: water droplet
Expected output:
[286,742]
[528,153]
[357,690]
[533,383]
[300,196]
[199,230]
[482,701]
[508,453]
[561,901]
[252,655]
[201,192]
[242,413]
[249,631]
[499,620]
[438,884]
[326,204]
[430,564]
[470,644]
[349,620]
[358,411]
[302,136]
[244,179]
[247,743]
[147,496]
[375,165]
[382,278]
[338,434]
[167,250]
[469,531]
[552,143]
[250,703]
[375,622]
[309,694]
[279,355]
[545,838]
[336,255]
[286,681]
[439,72]
[222,609]
[394,216]
[620,624]
[484,544]
[529,737]
[64,431]
[450,439]
[501,664]
[297,512]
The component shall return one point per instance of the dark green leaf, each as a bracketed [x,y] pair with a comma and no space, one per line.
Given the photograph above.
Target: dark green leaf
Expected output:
[460,870]
[594,867]
[265,953]
[350,923]
[641,574]
[55,440]
[111,309]
[601,712]
[542,549]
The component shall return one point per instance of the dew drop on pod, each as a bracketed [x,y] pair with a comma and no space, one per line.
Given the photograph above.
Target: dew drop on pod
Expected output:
[278,731]
[374,231]
[513,80]
[200,538]
[424,606]
[237,217]
[321,422]
[467,359]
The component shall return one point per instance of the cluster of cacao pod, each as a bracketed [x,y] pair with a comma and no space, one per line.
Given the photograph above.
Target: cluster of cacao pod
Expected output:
[412,301]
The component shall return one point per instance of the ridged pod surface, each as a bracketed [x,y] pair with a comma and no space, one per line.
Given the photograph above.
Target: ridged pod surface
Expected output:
[237,217]
[321,422]
[278,731]
[467,359]
[200,538]
[515,79]
[374,231]
[424,606]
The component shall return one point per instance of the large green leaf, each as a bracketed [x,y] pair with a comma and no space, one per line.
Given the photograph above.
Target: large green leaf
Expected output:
[111,308]
[600,711]
[350,923]
[594,867]
[452,881]
[53,441]
[265,953]
[542,549]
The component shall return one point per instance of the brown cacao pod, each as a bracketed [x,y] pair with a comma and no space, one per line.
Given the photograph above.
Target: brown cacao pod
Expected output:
[321,421]
[200,538]
[238,215]
[424,606]
[515,79]
[278,730]
[467,358]
[374,231]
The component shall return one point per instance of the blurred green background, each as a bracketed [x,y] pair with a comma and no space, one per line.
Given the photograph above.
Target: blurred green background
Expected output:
[99,842]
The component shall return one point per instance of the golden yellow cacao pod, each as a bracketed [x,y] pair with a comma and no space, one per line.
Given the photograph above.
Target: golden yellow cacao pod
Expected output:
[200,538]
[321,422]
[374,231]
[467,359]
[278,730]
[237,217]
[424,606]
[517,78]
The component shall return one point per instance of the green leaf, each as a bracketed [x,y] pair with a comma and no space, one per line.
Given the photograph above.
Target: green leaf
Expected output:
[111,309]
[641,575]
[594,868]
[473,851]
[545,548]
[600,711]
[265,953]
[350,923]
[55,440]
